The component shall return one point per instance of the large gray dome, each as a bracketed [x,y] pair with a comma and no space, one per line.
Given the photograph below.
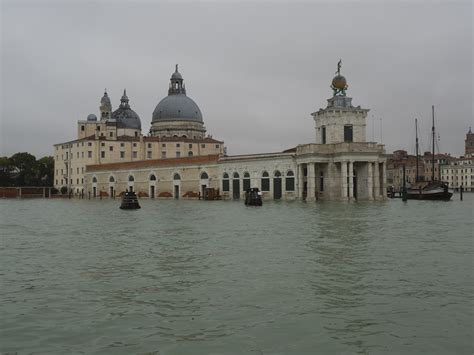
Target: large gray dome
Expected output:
[125,116]
[177,107]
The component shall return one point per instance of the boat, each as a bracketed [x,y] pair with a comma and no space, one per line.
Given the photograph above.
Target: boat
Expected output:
[129,201]
[253,197]
[427,190]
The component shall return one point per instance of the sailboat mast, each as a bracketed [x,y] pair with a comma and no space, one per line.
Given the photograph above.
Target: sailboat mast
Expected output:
[416,134]
[433,154]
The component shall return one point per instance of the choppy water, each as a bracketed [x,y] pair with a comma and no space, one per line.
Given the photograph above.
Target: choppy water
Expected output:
[195,277]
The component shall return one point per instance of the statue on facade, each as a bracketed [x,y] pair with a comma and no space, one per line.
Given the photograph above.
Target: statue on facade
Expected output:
[339,84]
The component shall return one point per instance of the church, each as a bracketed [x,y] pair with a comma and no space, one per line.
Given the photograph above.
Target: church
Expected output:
[176,159]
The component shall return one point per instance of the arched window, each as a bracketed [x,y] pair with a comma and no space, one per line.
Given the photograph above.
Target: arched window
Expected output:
[190,154]
[277,174]
[265,181]
[225,182]
[94,179]
[111,179]
[246,181]
[236,175]
[184,136]
[290,181]
[204,175]
[131,178]
[152,177]
[176,176]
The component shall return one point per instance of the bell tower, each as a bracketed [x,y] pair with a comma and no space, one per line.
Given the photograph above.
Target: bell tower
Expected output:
[105,107]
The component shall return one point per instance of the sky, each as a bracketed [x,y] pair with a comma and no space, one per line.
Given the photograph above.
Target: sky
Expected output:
[257,70]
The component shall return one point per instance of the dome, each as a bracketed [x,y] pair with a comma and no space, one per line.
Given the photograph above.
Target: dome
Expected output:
[125,116]
[92,117]
[339,82]
[177,107]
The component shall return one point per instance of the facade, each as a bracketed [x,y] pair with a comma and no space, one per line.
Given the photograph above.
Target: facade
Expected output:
[459,173]
[340,165]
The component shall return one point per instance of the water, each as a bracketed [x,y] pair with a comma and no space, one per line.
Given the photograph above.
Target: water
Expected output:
[195,277]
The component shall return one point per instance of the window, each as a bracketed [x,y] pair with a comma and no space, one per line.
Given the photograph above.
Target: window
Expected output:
[323,135]
[82,128]
[246,181]
[217,146]
[82,170]
[89,154]
[94,179]
[149,145]
[111,148]
[178,154]
[77,154]
[89,144]
[134,144]
[203,146]
[111,134]
[102,144]
[148,154]
[163,155]
[98,128]
[190,154]
[77,181]
[67,155]
[131,178]
[152,177]
[204,175]
[290,181]
[134,154]
[178,145]
[348,133]
[190,146]
[111,179]
[122,154]
[265,181]
[136,134]
[163,145]
[122,144]
[225,182]
[176,176]
[102,154]
[77,170]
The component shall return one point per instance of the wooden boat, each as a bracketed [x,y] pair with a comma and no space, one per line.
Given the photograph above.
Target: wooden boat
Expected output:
[253,197]
[129,201]
[427,190]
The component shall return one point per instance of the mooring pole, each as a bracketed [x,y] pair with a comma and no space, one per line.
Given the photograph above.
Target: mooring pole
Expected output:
[460,192]
[404,192]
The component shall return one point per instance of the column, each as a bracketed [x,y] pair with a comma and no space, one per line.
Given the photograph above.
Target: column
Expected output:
[376,181]
[370,181]
[299,177]
[384,179]
[311,183]
[343,180]
[330,187]
[351,180]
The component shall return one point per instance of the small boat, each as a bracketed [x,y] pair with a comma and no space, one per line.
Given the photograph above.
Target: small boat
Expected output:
[129,201]
[253,197]
[427,190]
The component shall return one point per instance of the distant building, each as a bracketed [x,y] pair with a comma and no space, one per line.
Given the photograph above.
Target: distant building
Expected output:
[178,160]
[469,143]
[459,172]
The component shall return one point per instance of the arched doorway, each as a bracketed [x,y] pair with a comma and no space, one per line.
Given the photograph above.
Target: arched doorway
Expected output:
[152,185]
[94,187]
[204,182]
[131,183]
[112,186]
[277,185]
[246,181]
[176,184]
[236,186]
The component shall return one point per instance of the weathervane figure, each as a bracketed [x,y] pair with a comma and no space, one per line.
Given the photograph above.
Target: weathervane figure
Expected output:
[339,64]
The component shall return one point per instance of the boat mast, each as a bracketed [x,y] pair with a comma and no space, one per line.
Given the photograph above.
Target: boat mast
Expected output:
[433,157]
[416,133]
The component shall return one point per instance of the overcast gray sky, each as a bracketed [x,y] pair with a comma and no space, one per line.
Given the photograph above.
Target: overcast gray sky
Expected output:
[257,70]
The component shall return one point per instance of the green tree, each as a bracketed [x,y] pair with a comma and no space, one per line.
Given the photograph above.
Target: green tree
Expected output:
[45,171]
[6,169]
[24,166]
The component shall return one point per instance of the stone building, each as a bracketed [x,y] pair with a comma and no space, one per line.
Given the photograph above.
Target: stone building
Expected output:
[459,173]
[340,165]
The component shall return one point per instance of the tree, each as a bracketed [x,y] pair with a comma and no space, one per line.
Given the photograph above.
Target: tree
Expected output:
[6,172]
[23,169]
[45,171]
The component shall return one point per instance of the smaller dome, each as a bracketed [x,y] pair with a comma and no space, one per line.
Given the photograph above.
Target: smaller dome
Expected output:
[176,74]
[339,82]
[92,117]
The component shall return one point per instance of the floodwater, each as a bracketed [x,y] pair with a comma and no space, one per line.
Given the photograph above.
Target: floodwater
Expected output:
[216,277]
